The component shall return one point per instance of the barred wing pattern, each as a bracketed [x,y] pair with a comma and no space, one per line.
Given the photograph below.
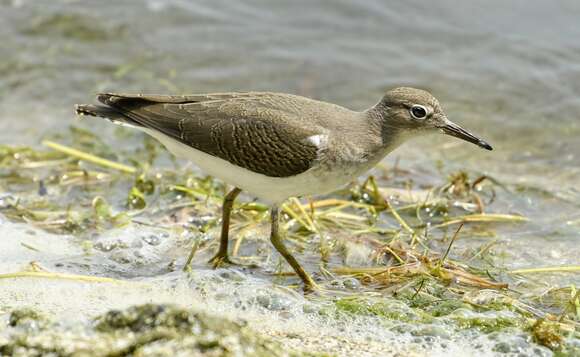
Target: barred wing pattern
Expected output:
[256,131]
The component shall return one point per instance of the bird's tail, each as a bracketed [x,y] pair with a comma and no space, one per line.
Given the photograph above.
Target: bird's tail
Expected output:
[104,112]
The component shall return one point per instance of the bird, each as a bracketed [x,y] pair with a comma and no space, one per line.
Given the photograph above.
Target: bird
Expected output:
[276,145]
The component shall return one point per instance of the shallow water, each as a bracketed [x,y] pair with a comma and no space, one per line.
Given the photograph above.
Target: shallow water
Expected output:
[243,295]
[509,72]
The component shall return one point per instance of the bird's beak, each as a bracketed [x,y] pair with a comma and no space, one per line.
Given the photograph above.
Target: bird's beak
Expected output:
[453,129]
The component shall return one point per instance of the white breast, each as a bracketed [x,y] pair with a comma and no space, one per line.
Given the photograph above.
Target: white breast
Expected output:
[271,189]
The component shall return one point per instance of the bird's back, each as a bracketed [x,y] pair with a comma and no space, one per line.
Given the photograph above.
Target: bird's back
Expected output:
[267,133]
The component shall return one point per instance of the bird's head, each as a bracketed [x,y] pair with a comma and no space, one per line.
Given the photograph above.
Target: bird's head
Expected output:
[417,111]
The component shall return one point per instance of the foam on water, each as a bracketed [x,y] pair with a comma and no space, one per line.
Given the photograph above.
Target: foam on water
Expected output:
[284,314]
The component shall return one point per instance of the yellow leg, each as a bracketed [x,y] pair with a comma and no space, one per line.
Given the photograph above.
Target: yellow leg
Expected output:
[309,284]
[222,255]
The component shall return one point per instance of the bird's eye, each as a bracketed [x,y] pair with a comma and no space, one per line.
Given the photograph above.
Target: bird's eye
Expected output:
[418,111]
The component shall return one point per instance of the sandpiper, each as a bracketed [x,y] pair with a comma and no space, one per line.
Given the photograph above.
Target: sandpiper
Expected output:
[276,145]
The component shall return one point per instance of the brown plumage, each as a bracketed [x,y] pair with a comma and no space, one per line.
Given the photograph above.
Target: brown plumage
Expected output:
[266,133]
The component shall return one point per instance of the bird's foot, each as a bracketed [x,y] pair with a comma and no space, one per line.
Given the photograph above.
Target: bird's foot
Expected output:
[311,289]
[220,260]
[223,260]
[310,286]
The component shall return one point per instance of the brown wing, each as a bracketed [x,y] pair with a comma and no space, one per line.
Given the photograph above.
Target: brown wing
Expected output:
[257,131]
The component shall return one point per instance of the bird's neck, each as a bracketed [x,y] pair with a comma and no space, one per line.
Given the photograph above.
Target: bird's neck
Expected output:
[390,136]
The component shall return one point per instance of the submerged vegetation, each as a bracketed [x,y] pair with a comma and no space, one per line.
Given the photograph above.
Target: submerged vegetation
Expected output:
[387,252]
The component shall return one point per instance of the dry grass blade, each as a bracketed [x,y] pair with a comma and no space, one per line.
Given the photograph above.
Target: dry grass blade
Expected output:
[64,276]
[395,274]
[450,245]
[561,269]
[89,157]
[466,278]
[499,218]
[398,217]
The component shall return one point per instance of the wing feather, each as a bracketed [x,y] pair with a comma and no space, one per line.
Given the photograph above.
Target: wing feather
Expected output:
[258,131]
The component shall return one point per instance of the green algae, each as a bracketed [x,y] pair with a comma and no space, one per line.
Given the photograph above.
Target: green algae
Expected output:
[567,350]
[454,312]
[487,322]
[547,333]
[446,307]
[384,308]
[150,329]
[28,319]
[104,216]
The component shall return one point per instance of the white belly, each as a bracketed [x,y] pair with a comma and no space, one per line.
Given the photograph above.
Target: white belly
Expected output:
[270,189]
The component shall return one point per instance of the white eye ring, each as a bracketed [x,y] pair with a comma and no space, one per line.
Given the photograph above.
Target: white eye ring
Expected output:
[418,112]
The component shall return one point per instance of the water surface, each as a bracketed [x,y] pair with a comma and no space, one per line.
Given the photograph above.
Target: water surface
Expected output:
[508,71]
